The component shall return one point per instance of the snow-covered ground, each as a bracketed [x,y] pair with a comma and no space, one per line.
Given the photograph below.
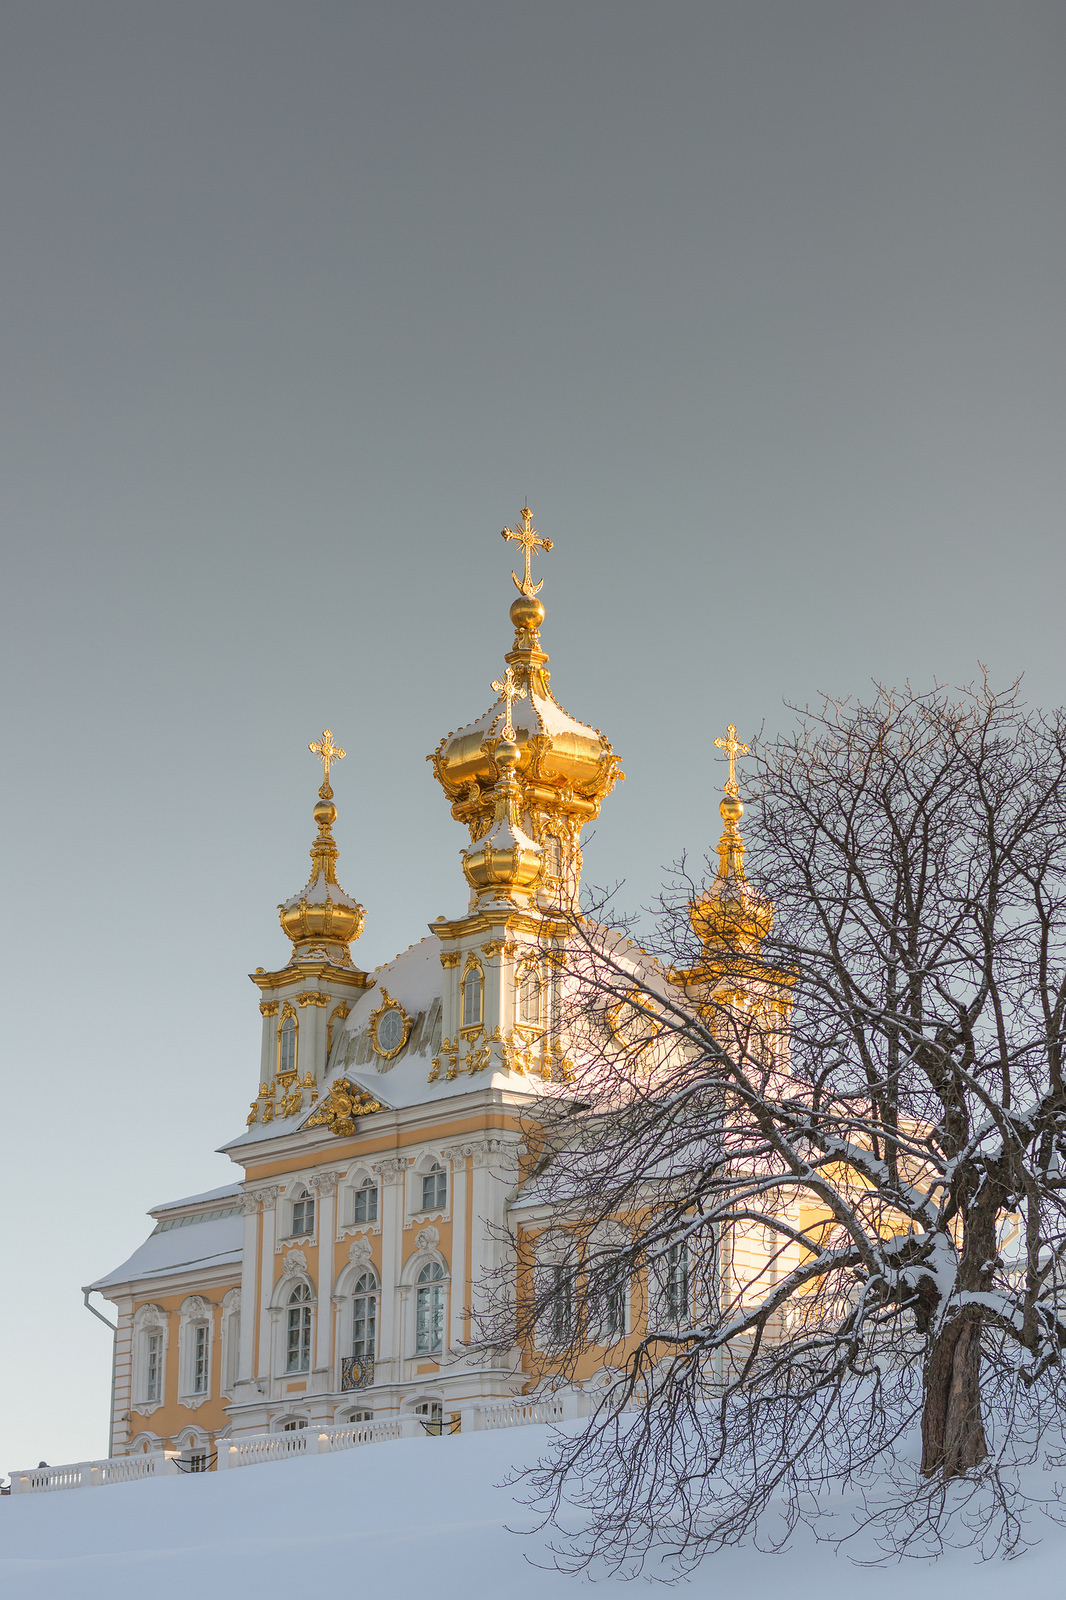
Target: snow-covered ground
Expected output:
[414,1518]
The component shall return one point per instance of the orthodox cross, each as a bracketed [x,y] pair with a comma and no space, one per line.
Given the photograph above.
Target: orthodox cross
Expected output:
[327,752]
[733,748]
[528,540]
[510,691]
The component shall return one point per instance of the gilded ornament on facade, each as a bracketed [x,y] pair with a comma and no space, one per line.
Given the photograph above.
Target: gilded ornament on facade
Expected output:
[390,1027]
[341,1109]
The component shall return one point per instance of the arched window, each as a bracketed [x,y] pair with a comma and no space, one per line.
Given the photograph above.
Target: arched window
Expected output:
[365,1202]
[529,996]
[364,1317]
[298,1341]
[287,1045]
[429,1315]
[473,998]
[303,1213]
[434,1188]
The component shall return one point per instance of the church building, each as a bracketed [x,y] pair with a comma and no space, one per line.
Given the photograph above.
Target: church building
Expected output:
[339,1278]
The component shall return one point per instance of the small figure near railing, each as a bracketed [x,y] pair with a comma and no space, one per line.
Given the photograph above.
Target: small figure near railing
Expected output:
[357,1372]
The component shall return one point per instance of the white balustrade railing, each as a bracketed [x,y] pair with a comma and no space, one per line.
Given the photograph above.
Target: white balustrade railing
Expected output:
[92,1474]
[519,1412]
[313,1441]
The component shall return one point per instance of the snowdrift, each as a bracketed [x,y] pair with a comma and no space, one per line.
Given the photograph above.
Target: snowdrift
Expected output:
[411,1518]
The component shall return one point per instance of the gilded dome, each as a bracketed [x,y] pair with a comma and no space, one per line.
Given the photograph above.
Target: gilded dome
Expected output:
[322,919]
[564,768]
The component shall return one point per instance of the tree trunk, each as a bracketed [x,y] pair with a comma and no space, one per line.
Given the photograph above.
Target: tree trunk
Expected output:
[953,1433]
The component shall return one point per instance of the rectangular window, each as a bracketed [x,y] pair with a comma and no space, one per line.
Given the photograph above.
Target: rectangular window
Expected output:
[199,1359]
[364,1324]
[675,1285]
[365,1204]
[430,1320]
[434,1189]
[153,1363]
[303,1216]
[562,1319]
[233,1349]
[298,1348]
[614,1310]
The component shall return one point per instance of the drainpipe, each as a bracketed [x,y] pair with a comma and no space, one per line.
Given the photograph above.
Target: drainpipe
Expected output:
[114,1363]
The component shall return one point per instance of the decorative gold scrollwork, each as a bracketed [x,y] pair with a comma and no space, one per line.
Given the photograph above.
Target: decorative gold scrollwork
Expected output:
[342,1108]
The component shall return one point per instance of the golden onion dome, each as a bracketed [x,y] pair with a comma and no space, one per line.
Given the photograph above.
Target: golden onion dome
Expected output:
[322,919]
[564,766]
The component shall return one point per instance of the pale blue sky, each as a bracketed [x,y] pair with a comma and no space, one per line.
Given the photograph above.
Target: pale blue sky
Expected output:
[761,304]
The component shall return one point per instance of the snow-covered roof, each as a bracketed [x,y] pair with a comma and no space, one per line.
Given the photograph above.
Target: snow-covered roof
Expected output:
[225,1193]
[214,1242]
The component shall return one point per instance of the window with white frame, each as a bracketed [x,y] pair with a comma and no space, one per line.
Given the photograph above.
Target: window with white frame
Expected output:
[429,1310]
[364,1316]
[303,1213]
[359,1416]
[473,997]
[287,1045]
[434,1188]
[529,997]
[561,1304]
[230,1355]
[365,1202]
[194,1347]
[233,1350]
[673,1276]
[153,1367]
[298,1330]
[149,1355]
[294,1424]
[200,1352]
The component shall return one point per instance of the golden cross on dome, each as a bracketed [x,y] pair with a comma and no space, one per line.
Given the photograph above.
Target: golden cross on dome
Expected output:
[327,752]
[510,691]
[733,748]
[528,540]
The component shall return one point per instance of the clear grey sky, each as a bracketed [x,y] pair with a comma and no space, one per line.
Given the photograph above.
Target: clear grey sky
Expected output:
[761,304]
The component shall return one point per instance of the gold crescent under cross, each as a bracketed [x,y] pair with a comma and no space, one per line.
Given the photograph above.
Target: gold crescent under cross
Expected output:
[528,540]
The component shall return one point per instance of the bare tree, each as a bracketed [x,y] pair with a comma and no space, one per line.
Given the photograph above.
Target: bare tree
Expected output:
[799,1127]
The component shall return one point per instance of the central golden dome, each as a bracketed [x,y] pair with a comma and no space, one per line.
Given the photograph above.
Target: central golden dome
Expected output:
[564,767]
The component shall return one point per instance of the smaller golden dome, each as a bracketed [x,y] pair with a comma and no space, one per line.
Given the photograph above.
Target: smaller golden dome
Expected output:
[730,914]
[505,861]
[322,918]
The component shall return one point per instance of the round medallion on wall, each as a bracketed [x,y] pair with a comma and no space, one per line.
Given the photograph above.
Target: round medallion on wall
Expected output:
[390,1027]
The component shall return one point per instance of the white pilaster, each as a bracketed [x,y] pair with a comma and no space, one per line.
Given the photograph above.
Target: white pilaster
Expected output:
[268,1196]
[391,1178]
[460,1295]
[325,1186]
[249,1279]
